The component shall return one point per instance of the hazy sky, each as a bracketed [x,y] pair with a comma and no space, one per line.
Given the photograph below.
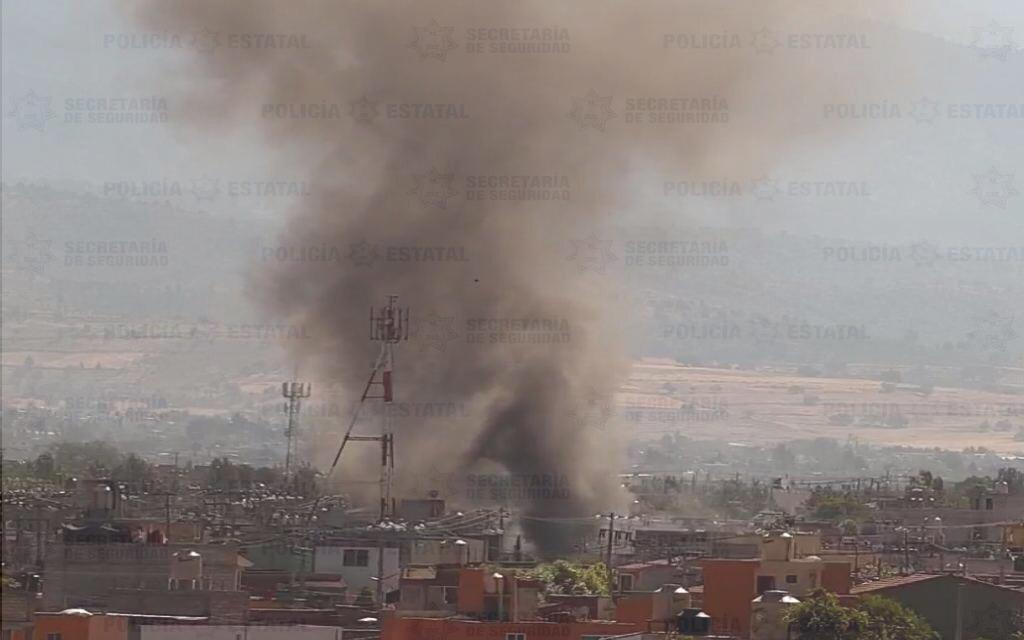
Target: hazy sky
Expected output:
[920,176]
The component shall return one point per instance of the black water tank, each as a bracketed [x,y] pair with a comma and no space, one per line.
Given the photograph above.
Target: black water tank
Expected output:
[693,622]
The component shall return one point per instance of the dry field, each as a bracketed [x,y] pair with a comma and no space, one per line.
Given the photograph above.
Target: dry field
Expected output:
[756,407]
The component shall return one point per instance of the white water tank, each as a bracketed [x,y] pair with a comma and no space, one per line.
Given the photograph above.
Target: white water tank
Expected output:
[186,569]
[767,616]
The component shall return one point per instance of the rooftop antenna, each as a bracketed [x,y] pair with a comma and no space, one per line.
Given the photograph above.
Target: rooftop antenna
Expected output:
[294,392]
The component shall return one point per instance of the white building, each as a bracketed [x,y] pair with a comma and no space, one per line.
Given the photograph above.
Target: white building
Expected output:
[357,566]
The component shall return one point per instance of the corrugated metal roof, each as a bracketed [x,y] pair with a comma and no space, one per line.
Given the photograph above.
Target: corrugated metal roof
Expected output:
[914,578]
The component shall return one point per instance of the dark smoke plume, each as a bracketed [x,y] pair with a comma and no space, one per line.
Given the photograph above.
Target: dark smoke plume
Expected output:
[394,182]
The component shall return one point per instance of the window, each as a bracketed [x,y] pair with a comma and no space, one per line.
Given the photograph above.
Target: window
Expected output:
[356,558]
[625,582]
[53,636]
[765,583]
[515,636]
[988,504]
[791,579]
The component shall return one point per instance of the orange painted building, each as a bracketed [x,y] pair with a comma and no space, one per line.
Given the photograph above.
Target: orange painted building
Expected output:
[637,609]
[836,577]
[471,591]
[729,588]
[75,624]
[396,628]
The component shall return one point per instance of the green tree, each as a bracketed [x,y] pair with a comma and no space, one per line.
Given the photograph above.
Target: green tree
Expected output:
[561,576]
[77,458]
[887,619]
[821,617]
[134,471]
[223,474]
[1013,477]
[837,507]
[268,476]
[304,482]
[44,466]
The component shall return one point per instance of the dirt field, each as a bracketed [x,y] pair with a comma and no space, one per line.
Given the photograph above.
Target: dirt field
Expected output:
[756,408]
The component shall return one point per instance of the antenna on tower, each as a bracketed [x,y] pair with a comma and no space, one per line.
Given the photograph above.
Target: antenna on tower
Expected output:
[294,392]
[389,325]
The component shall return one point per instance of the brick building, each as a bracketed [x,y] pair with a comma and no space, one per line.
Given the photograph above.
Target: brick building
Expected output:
[88,574]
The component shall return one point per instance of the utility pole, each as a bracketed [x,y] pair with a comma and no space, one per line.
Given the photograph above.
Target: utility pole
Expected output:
[294,392]
[39,536]
[1004,530]
[856,552]
[906,550]
[380,569]
[167,512]
[608,553]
